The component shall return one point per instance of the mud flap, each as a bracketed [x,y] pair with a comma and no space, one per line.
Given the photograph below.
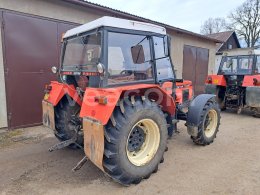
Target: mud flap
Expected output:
[94,141]
[48,118]
[253,97]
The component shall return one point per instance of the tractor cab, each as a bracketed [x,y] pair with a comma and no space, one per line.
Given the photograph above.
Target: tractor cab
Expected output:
[237,64]
[118,98]
[110,52]
[237,82]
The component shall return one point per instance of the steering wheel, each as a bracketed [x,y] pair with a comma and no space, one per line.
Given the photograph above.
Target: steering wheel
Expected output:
[126,72]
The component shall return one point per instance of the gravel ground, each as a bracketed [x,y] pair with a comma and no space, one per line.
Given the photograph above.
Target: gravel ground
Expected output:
[231,165]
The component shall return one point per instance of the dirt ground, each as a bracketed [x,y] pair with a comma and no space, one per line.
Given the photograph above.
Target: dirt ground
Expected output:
[231,165]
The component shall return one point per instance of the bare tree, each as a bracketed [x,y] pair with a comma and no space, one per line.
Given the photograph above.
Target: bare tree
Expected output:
[245,20]
[213,25]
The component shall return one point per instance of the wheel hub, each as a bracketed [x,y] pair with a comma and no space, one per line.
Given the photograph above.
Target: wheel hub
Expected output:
[210,123]
[136,139]
[143,142]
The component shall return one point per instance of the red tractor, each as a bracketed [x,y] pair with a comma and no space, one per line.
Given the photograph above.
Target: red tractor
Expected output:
[118,98]
[237,84]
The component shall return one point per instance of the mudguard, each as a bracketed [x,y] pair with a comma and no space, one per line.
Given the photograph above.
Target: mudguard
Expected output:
[58,90]
[249,80]
[109,97]
[196,108]
[216,80]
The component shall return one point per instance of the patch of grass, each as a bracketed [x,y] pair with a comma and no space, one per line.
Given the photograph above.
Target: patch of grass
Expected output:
[6,138]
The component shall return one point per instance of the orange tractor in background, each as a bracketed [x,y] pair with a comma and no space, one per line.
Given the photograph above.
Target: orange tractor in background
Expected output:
[237,84]
[118,98]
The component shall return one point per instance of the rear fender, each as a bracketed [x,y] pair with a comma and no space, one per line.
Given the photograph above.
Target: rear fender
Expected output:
[216,80]
[102,111]
[249,81]
[195,111]
[59,90]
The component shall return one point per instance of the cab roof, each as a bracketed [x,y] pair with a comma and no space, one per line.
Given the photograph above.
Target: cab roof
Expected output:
[118,23]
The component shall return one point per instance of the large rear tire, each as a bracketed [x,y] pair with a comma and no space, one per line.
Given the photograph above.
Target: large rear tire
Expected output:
[209,124]
[135,141]
[66,122]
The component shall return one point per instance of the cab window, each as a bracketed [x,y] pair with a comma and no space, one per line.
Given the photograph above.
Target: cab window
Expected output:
[163,62]
[258,64]
[245,64]
[128,61]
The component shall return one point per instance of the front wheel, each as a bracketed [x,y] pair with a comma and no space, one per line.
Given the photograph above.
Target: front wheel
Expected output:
[209,124]
[136,138]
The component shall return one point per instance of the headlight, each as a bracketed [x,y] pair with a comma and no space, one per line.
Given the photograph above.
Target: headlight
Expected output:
[54,69]
[100,68]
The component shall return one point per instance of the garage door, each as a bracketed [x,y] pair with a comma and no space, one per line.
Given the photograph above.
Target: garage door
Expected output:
[195,66]
[31,47]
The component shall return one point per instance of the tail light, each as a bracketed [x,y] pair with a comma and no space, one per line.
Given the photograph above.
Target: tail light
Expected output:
[48,88]
[256,81]
[210,80]
[101,100]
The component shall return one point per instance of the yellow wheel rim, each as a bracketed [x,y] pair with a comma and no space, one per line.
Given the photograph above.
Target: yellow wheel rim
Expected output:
[146,150]
[212,123]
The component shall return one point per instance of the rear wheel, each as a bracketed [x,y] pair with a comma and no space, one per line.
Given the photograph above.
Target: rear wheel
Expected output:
[66,122]
[209,124]
[136,138]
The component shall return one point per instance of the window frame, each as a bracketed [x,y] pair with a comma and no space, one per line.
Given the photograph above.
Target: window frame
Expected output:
[238,57]
[63,47]
[131,32]
[155,64]
[255,68]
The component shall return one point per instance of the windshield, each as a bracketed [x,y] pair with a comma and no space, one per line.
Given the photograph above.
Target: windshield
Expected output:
[83,52]
[239,65]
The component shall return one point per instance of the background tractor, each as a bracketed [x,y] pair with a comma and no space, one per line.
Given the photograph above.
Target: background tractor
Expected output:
[118,98]
[237,84]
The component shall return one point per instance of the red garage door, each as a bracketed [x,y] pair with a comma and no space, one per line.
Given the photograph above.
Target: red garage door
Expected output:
[31,47]
[195,66]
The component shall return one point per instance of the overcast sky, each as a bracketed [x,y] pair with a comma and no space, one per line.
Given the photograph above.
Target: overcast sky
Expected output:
[186,14]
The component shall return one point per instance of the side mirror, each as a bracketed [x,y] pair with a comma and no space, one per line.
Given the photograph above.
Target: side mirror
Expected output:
[166,45]
[138,54]
[54,70]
